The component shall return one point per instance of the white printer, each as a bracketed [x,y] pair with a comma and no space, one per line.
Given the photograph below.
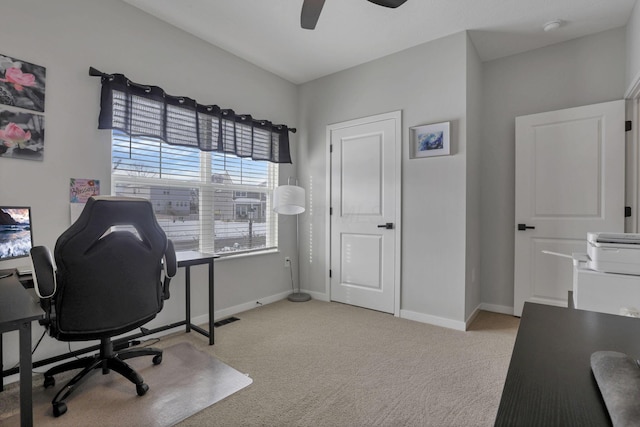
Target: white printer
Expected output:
[607,277]
[614,252]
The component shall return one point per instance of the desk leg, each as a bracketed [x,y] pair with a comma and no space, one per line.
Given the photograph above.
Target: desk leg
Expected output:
[211,322]
[1,366]
[26,403]
[187,291]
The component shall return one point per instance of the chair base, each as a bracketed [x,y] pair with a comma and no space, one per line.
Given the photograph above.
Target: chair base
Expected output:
[107,360]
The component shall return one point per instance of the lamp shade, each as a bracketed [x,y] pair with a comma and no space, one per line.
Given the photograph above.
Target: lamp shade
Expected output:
[288,200]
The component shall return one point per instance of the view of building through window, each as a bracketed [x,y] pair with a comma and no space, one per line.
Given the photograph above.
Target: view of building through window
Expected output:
[212,202]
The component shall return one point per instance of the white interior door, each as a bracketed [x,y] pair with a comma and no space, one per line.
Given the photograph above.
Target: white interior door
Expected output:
[365,197]
[569,180]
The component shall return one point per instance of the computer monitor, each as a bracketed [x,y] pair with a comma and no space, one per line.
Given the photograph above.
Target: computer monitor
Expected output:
[16,238]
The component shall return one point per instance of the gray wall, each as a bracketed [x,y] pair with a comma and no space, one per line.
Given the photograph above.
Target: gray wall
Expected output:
[579,72]
[428,83]
[458,233]
[633,47]
[68,36]
[474,145]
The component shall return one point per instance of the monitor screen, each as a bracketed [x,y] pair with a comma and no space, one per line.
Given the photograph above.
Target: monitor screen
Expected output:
[15,232]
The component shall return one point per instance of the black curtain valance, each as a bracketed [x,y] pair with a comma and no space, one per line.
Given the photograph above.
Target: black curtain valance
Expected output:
[145,110]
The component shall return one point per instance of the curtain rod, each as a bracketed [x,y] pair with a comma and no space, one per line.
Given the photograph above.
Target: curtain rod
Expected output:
[96,73]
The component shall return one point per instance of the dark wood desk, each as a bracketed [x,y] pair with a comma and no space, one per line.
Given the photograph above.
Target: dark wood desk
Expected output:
[549,382]
[17,311]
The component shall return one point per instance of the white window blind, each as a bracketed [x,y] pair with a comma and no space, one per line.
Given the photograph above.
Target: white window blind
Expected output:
[206,201]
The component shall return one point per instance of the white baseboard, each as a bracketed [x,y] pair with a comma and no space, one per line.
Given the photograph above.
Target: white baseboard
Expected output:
[503,309]
[454,324]
[318,295]
[433,320]
[230,311]
[471,318]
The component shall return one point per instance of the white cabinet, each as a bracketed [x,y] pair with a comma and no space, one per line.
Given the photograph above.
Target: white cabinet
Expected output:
[605,292]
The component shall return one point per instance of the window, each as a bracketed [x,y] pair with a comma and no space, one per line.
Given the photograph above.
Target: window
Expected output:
[206,201]
[209,172]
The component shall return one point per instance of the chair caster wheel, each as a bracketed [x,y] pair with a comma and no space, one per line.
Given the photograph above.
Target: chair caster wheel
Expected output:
[157,359]
[59,408]
[49,382]
[142,389]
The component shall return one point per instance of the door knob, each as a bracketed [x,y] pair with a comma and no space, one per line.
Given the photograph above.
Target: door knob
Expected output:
[388,226]
[522,227]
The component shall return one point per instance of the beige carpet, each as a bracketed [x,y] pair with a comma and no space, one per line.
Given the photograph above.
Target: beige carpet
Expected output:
[327,364]
[186,382]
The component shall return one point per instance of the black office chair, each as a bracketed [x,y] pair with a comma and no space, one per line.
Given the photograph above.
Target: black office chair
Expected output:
[111,275]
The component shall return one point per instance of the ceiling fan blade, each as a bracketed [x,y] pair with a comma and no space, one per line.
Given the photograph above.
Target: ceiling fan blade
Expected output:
[388,3]
[310,13]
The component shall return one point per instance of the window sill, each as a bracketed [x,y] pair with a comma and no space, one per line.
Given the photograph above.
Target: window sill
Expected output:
[230,256]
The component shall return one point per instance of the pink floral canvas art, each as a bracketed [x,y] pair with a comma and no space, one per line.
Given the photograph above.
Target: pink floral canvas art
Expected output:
[22,84]
[21,135]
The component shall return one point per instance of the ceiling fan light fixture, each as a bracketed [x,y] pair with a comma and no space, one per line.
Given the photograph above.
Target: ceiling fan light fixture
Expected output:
[552,25]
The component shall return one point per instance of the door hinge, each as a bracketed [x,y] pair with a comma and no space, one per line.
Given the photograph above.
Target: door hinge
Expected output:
[331,148]
[330,211]
[329,272]
[627,126]
[627,211]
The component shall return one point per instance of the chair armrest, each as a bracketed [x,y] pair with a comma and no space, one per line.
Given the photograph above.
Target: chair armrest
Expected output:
[170,266]
[44,272]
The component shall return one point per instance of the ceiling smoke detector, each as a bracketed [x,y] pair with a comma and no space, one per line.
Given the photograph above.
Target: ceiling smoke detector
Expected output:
[552,25]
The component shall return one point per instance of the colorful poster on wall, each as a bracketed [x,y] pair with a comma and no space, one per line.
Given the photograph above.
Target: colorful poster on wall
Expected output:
[22,84]
[21,135]
[81,189]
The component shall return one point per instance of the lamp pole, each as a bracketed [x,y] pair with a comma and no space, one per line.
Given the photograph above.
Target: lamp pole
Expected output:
[290,200]
[298,296]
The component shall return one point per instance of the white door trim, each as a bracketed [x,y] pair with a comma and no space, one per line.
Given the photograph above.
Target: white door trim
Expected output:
[397,116]
[633,97]
[632,161]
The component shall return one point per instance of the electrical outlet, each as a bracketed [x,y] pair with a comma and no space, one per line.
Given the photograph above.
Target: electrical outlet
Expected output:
[287,262]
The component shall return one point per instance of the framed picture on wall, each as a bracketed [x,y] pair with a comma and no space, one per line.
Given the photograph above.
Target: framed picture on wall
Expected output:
[22,83]
[21,135]
[430,140]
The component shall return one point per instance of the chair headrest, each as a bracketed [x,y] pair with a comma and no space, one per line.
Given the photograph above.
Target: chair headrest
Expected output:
[102,213]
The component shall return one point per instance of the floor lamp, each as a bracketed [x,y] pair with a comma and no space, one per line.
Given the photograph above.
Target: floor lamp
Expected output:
[289,200]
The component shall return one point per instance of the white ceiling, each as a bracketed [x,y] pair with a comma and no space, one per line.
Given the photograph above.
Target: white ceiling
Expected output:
[351,32]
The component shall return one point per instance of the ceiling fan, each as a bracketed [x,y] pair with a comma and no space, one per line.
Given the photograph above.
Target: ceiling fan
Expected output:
[311,10]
